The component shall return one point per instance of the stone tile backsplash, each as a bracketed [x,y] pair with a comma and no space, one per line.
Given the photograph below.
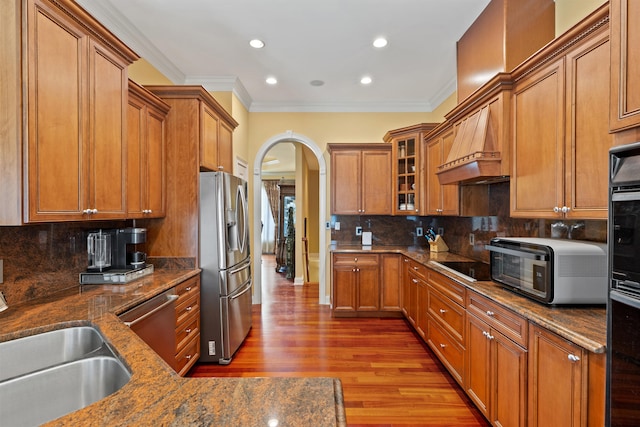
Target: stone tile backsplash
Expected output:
[401,230]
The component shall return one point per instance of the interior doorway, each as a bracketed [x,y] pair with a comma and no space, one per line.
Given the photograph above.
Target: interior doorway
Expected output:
[289,136]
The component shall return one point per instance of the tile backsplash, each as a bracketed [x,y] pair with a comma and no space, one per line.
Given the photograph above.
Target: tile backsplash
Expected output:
[40,260]
[401,230]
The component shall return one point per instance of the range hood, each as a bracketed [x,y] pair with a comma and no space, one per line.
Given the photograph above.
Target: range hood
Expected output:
[475,154]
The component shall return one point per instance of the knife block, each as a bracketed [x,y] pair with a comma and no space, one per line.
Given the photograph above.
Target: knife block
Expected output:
[438,245]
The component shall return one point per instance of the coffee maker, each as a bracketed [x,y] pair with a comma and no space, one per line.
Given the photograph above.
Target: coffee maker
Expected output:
[113,256]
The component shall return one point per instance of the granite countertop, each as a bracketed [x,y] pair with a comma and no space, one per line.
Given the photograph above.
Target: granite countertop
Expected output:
[585,326]
[155,394]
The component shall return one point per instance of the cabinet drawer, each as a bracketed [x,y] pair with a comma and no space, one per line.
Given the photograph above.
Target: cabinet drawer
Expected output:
[187,288]
[419,269]
[188,356]
[502,319]
[186,307]
[355,258]
[450,353]
[455,291]
[449,314]
[187,330]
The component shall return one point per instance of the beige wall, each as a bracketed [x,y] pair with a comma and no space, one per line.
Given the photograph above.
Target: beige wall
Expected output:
[570,12]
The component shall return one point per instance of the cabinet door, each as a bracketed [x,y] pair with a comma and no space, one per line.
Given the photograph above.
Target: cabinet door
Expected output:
[478,364]
[406,173]
[405,290]
[422,307]
[155,165]
[537,179]
[208,138]
[376,183]
[368,294]
[587,138]
[412,300]
[344,288]
[625,64]
[556,391]
[57,126]
[225,147]
[390,282]
[136,121]
[345,182]
[509,382]
[441,199]
[108,88]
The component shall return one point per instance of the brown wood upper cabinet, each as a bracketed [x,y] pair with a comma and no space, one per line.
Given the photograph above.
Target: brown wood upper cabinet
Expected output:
[215,124]
[360,179]
[75,80]
[408,167]
[146,158]
[440,199]
[187,127]
[625,64]
[561,126]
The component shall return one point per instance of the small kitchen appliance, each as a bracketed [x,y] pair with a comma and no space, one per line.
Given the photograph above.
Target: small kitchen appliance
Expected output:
[113,256]
[551,271]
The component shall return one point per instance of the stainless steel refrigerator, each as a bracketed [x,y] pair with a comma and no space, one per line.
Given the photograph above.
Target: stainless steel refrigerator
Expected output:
[225,297]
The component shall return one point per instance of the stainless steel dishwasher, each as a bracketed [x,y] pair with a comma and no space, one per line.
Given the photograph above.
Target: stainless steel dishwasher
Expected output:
[155,321]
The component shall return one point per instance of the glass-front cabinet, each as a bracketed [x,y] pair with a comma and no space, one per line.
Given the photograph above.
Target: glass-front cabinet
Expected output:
[408,168]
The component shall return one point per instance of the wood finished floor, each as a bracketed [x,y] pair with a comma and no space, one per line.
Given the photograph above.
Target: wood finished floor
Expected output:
[389,376]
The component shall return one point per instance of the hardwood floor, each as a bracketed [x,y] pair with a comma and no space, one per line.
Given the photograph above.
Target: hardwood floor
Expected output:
[389,376]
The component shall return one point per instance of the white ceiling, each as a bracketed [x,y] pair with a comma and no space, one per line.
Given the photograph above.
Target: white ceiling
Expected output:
[206,42]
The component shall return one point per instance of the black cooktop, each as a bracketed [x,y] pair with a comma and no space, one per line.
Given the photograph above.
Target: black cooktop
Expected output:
[474,269]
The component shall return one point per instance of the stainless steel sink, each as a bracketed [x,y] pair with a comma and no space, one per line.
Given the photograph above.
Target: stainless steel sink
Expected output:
[45,376]
[28,354]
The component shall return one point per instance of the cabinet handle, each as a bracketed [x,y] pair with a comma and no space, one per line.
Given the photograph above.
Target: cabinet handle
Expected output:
[416,268]
[357,270]
[188,330]
[443,345]
[442,311]
[414,280]
[565,209]
[490,313]
[406,260]
[87,211]
[556,209]
[189,308]
[188,288]
[188,357]
[355,259]
[487,335]
[94,211]
[573,358]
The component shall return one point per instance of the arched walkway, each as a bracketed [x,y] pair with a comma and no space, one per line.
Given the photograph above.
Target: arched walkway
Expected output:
[288,136]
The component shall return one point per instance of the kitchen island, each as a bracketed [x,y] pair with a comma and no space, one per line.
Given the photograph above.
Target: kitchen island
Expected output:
[155,394]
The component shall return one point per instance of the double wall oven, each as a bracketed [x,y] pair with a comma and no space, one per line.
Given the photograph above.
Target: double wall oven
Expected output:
[623,310]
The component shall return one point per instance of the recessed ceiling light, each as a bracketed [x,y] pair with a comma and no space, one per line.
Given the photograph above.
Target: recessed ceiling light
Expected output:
[316,83]
[380,42]
[255,43]
[271,80]
[366,80]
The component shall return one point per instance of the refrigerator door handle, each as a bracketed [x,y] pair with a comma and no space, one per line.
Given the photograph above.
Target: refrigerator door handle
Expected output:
[239,294]
[244,266]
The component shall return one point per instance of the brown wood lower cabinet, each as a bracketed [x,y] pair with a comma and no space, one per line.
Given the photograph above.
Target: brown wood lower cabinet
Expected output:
[445,329]
[365,284]
[187,325]
[515,372]
[566,382]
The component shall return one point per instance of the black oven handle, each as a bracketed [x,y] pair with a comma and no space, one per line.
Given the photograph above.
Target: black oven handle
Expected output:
[624,298]
[522,254]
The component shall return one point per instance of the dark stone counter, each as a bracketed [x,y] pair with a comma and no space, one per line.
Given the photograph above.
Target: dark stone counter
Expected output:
[582,325]
[155,394]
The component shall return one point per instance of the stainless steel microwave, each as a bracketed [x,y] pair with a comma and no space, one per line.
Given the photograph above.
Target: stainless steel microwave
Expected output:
[552,271]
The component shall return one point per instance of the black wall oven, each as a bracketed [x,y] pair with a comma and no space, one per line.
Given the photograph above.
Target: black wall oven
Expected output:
[623,309]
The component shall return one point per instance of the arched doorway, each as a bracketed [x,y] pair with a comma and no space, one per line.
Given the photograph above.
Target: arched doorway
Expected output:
[289,136]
